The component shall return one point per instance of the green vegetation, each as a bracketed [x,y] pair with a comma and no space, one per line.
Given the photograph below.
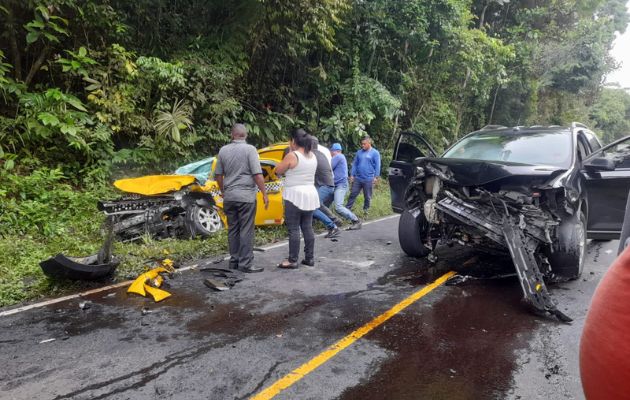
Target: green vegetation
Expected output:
[94,90]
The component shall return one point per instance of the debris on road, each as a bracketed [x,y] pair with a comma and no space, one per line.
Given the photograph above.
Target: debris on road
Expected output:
[93,267]
[150,282]
[47,340]
[85,305]
[458,279]
[227,278]
[215,284]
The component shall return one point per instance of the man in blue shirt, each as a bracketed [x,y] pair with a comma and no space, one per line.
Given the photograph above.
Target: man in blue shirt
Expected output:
[340,171]
[366,169]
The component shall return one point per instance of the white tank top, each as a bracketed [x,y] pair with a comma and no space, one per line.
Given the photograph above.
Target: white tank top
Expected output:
[299,183]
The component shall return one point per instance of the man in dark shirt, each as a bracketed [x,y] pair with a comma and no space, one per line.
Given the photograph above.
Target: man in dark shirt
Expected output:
[238,173]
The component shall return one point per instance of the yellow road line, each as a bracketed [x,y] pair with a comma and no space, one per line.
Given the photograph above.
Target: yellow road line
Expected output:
[298,373]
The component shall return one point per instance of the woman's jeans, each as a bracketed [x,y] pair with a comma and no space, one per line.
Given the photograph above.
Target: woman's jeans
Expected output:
[297,219]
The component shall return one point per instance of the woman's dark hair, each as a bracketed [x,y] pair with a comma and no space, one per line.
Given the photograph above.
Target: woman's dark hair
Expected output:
[302,139]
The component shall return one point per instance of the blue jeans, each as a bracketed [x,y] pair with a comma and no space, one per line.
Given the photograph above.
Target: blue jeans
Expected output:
[325,194]
[357,186]
[339,196]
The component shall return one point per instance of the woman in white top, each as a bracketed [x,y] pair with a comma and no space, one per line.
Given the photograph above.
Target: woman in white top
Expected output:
[300,197]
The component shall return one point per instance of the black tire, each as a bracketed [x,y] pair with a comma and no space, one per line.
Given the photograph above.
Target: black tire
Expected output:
[205,220]
[411,230]
[569,247]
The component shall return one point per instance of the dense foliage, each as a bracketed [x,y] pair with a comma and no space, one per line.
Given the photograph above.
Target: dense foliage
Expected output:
[94,84]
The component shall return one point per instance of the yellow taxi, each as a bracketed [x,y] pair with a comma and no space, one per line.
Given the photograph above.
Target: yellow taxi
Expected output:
[202,203]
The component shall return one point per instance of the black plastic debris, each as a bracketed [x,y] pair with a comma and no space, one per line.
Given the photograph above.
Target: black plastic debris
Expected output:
[215,284]
[93,267]
[458,280]
[78,268]
[223,279]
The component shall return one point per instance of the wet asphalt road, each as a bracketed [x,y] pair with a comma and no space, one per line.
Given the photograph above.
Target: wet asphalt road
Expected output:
[470,341]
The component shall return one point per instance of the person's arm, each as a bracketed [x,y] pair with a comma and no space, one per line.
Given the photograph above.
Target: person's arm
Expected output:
[260,182]
[335,161]
[288,162]
[353,168]
[219,179]
[377,166]
[218,173]
[256,171]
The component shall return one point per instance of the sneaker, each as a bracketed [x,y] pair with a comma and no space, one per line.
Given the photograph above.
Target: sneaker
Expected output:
[356,225]
[332,232]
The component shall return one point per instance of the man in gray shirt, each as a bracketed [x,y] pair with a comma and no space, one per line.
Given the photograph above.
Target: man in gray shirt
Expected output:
[238,173]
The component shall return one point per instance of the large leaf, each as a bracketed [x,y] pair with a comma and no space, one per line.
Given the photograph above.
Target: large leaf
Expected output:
[76,103]
[32,37]
[48,119]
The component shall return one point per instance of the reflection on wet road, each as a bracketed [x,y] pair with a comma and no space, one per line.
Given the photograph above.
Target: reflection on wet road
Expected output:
[474,340]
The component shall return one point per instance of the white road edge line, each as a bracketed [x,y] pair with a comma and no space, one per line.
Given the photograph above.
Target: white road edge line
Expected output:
[125,283]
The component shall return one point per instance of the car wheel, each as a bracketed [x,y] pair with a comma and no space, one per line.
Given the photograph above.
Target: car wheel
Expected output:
[205,220]
[569,249]
[411,230]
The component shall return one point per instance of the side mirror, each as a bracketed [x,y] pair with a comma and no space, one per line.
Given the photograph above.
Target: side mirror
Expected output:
[599,164]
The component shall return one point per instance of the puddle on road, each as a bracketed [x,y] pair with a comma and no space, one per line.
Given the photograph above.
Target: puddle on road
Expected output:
[460,347]
[464,261]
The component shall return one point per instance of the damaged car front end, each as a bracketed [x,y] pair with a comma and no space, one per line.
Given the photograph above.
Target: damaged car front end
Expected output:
[516,191]
[497,207]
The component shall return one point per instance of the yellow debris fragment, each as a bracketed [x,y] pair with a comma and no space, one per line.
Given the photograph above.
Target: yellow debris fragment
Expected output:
[150,281]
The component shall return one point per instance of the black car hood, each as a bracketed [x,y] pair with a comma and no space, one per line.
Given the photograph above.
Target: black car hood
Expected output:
[477,173]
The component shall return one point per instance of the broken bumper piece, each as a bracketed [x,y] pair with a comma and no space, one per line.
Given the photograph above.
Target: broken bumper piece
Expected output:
[149,283]
[78,268]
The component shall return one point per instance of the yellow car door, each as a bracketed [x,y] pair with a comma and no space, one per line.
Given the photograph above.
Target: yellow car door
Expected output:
[274,215]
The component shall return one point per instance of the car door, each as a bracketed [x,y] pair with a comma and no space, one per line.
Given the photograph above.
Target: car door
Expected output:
[409,146]
[274,215]
[607,191]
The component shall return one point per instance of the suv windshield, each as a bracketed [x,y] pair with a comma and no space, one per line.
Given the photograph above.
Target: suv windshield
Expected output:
[541,148]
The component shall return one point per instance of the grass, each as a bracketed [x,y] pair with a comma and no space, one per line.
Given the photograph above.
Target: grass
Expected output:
[76,232]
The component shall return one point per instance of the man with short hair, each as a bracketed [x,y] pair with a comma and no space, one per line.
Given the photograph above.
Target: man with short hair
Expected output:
[366,169]
[238,173]
[340,172]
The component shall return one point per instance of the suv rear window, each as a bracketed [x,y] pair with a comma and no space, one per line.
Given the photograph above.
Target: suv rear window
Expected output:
[543,148]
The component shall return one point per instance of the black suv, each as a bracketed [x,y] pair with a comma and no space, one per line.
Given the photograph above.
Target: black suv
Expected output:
[537,192]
